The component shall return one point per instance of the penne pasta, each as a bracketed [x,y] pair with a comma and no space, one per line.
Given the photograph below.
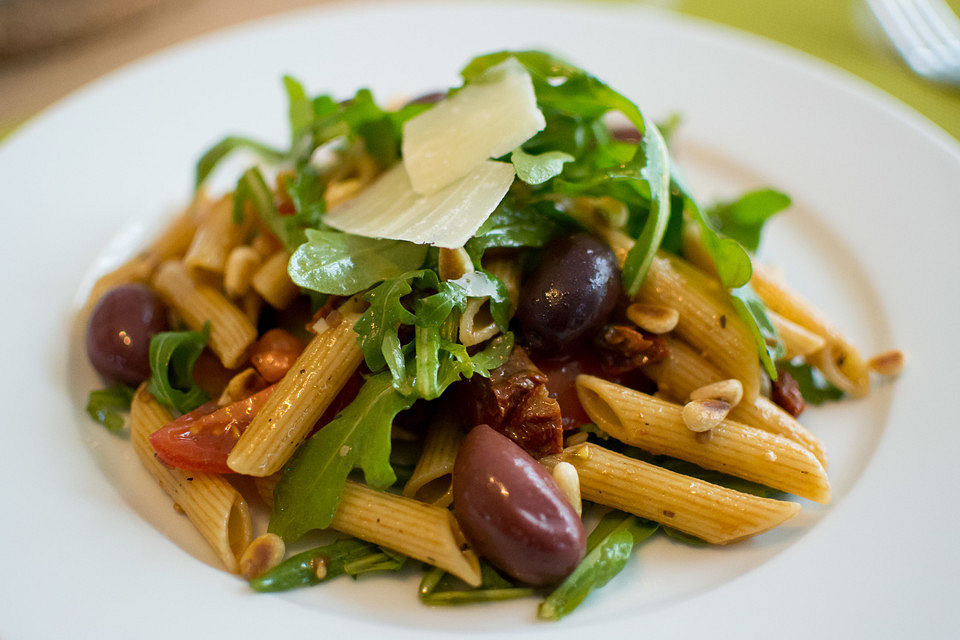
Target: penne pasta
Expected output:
[216,237]
[214,507]
[710,512]
[421,531]
[430,481]
[273,283]
[302,396]
[231,331]
[684,370]
[733,448]
[238,272]
[707,319]
[839,361]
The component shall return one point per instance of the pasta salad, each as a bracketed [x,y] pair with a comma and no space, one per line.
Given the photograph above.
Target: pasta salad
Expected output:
[454,330]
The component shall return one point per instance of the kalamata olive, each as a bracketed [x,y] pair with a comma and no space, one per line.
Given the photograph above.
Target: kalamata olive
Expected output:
[512,512]
[119,332]
[570,294]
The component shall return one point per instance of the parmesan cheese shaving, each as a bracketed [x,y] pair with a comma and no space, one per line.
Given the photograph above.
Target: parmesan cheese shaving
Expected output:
[389,208]
[486,119]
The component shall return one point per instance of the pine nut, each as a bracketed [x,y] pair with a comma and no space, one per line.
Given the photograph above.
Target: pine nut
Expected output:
[703,415]
[568,480]
[320,568]
[888,363]
[653,318]
[578,438]
[261,555]
[730,391]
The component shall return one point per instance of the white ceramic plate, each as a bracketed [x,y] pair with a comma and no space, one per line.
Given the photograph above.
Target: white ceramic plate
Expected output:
[91,548]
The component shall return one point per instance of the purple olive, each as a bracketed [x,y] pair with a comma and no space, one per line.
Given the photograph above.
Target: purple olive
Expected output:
[570,294]
[119,332]
[512,512]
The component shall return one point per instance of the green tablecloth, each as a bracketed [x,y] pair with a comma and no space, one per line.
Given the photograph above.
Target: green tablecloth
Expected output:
[842,32]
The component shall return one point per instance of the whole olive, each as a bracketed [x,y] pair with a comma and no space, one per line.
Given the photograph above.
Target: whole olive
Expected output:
[570,294]
[119,332]
[512,512]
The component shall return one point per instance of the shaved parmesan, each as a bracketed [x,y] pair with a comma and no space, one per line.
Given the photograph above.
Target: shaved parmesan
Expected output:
[487,118]
[389,208]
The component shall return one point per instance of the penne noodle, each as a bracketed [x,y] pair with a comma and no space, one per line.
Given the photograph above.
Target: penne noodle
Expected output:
[839,361]
[430,481]
[707,319]
[418,530]
[302,396]
[273,283]
[215,238]
[733,448]
[797,341]
[476,323]
[231,331]
[241,386]
[214,507]
[684,370]
[710,512]
[238,272]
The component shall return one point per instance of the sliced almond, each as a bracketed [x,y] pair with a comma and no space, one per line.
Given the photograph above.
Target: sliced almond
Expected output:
[261,555]
[703,415]
[730,391]
[888,363]
[568,480]
[653,318]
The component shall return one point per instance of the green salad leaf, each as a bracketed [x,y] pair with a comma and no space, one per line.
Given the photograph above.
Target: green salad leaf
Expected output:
[309,490]
[514,226]
[537,169]
[813,386]
[172,355]
[212,157]
[754,315]
[104,405]
[343,557]
[342,264]
[432,307]
[608,548]
[743,219]
[439,588]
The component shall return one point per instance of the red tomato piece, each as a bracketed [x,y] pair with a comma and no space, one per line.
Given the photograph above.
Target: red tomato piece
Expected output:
[274,353]
[202,439]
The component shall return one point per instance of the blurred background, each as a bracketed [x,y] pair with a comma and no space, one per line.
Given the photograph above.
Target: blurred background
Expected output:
[49,48]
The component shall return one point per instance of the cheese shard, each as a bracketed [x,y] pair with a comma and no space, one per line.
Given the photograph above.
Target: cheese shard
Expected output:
[389,208]
[487,118]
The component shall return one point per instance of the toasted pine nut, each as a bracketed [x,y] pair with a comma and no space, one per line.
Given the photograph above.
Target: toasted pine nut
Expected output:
[454,263]
[730,391]
[578,438]
[703,415]
[653,317]
[320,567]
[888,363]
[339,191]
[261,555]
[568,480]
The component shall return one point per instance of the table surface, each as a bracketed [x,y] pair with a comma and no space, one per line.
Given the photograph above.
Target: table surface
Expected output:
[842,32]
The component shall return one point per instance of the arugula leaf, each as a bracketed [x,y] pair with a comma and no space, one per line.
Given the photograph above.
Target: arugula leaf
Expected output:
[309,491]
[754,315]
[348,556]
[608,548]
[300,108]
[537,169]
[512,226]
[743,219]
[813,386]
[342,264]
[438,359]
[212,156]
[289,230]
[103,404]
[172,356]
[383,560]
[685,538]
[440,588]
